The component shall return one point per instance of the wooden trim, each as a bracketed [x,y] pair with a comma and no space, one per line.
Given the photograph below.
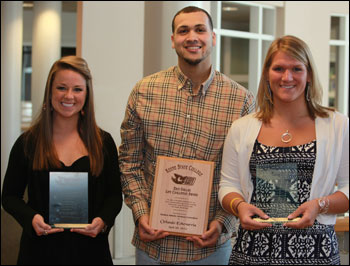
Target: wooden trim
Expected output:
[342,224]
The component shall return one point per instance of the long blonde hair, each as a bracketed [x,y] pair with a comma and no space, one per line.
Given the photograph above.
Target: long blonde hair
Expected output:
[40,133]
[299,50]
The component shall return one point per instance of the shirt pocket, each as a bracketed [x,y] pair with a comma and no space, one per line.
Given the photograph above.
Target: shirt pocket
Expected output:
[210,142]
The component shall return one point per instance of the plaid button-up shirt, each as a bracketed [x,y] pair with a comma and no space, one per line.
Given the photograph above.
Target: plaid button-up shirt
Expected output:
[164,117]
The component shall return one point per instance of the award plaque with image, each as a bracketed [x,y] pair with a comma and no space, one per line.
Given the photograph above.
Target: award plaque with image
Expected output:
[277,191]
[181,195]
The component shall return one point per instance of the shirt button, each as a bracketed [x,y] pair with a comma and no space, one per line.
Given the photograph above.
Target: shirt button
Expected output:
[188,116]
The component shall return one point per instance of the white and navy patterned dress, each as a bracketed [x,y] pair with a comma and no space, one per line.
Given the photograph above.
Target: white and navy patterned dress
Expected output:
[279,245]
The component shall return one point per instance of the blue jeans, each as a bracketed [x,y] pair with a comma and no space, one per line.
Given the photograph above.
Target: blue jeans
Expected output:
[219,257]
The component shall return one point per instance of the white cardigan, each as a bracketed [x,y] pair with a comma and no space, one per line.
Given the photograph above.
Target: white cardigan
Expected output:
[331,166]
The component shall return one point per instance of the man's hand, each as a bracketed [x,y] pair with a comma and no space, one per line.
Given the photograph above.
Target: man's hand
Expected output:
[209,238]
[147,233]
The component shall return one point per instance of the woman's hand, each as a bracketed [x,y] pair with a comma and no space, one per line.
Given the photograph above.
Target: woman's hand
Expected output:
[308,210]
[41,228]
[246,211]
[92,229]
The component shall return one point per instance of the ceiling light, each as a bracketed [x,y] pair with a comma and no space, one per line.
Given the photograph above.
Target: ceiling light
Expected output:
[230,8]
[28,5]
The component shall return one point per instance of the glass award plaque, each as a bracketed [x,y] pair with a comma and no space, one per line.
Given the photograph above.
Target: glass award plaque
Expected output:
[181,196]
[68,207]
[277,191]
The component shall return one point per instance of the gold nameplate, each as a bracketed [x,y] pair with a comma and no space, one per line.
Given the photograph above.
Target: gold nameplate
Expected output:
[69,225]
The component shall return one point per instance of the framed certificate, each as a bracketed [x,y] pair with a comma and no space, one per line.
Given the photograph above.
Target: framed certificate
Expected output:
[68,206]
[181,196]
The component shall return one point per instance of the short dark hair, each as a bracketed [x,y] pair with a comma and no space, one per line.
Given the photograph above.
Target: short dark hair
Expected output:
[192,9]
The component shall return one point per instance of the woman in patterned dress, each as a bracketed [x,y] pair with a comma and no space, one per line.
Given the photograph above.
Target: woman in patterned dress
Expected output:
[290,160]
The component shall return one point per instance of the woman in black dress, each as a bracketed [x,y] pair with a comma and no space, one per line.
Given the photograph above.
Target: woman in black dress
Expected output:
[64,138]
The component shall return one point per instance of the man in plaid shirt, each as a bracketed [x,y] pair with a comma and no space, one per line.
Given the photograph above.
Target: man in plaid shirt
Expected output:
[184,112]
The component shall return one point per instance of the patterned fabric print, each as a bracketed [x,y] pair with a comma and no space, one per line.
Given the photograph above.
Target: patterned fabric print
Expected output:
[280,245]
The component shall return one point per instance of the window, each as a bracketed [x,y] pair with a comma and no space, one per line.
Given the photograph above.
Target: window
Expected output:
[244,32]
[338,93]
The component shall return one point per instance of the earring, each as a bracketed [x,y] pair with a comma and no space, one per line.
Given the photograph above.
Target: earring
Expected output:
[269,98]
[307,91]
[82,112]
[44,107]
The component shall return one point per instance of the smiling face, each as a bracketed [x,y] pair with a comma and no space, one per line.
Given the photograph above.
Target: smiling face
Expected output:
[68,94]
[193,39]
[287,77]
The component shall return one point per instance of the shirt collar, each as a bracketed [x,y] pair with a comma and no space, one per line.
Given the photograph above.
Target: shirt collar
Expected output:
[183,80]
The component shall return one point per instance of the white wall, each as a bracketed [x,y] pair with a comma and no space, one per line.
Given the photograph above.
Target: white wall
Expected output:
[112,44]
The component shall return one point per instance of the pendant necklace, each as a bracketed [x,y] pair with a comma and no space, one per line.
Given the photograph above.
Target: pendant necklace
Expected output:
[286,137]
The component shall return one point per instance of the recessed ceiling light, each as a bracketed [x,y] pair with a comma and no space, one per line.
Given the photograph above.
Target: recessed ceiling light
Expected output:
[28,5]
[230,8]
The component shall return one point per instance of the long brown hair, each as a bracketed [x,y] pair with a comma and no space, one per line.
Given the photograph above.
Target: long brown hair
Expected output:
[299,50]
[40,133]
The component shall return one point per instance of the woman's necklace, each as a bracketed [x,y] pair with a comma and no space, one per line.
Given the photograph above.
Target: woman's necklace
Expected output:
[286,137]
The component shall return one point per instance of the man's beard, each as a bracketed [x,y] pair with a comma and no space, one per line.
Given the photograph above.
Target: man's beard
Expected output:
[193,62]
[190,61]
